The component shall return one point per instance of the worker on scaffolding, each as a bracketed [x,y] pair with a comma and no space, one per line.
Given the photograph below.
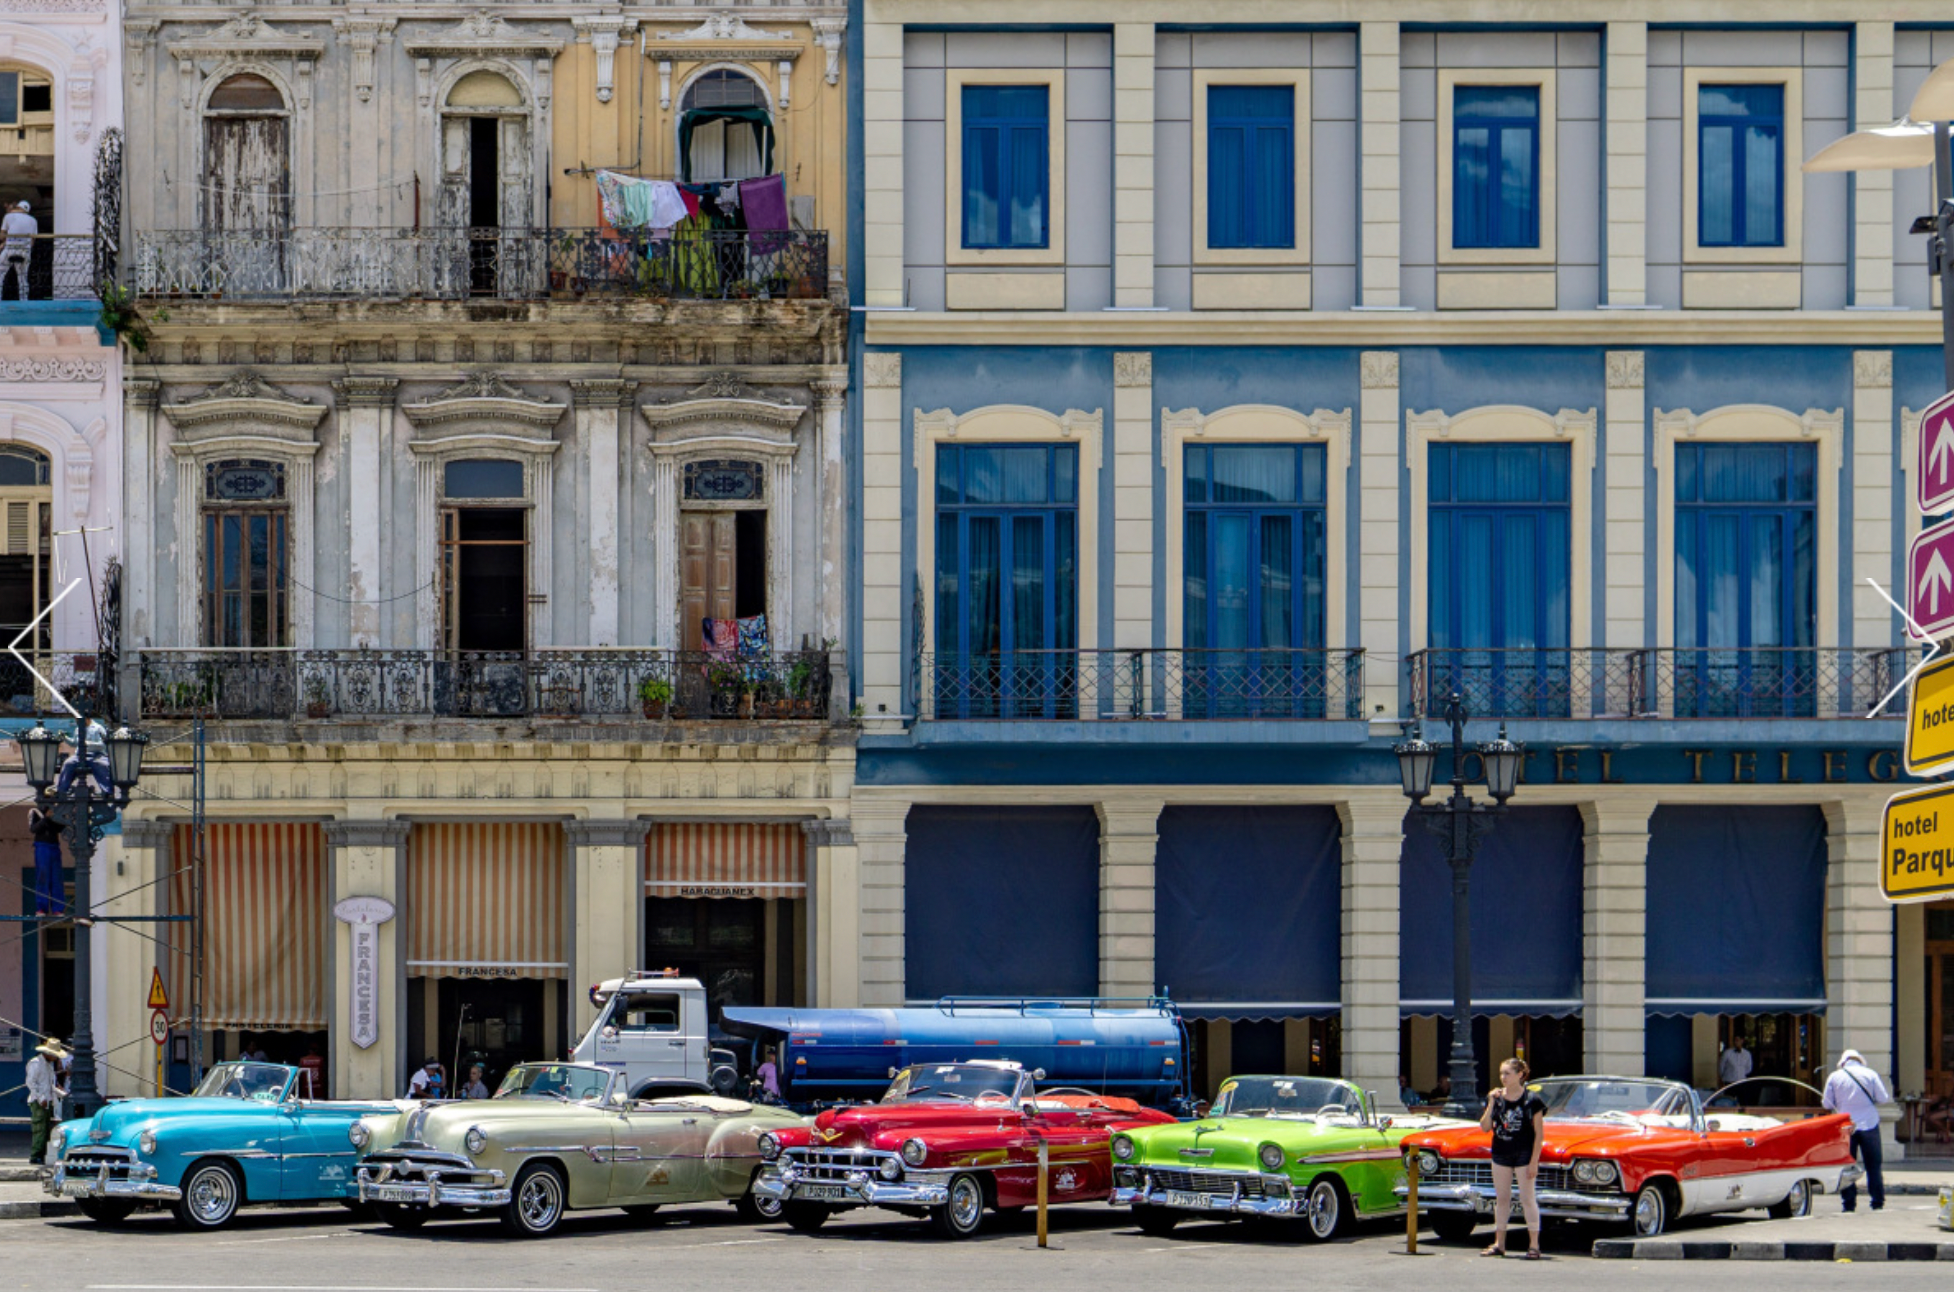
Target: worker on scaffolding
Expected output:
[91,754]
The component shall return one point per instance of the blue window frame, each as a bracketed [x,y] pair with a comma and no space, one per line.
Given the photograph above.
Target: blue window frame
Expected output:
[1251,166]
[1746,579]
[1254,580]
[1496,166]
[1740,161]
[1006,144]
[1499,542]
[1007,553]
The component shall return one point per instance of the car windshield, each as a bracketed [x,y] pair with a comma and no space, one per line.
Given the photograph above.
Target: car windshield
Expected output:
[957,1082]
[1577,1099]
[1285,1097]
[264,1082]
[554,1081]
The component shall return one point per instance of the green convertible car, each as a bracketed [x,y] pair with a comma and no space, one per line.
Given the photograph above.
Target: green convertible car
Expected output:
[1294,1148]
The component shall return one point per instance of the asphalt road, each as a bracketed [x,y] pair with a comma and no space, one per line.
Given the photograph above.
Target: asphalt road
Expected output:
[708,1248]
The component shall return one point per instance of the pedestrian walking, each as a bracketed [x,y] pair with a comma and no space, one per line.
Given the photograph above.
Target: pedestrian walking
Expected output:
[44,1095]
[1856,1090]
[18,229]
[1736,1063]
[50,894]
[1517,1118]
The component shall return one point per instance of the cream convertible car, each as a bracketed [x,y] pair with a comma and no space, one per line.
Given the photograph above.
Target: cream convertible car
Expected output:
[561,1137]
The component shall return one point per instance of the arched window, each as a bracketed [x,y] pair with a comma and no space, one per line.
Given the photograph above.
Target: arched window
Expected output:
[484,90]
[26,549]
[724,128]
[247,545]
[20,465]
[247,158]
[246,93]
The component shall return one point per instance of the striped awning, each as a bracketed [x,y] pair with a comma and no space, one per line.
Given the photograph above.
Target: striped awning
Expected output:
[486,897]
[265,925]
[725,859]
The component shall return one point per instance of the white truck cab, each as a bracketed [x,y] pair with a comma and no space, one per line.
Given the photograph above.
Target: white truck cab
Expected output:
[653,1025]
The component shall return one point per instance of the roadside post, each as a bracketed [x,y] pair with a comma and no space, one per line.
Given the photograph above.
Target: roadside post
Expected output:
[1044,1175]
[1411,1204]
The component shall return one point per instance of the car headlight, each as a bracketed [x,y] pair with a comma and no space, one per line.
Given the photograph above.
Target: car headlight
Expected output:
[915,1152]
[1606,1173]
[475,1140]
[1271,1155]
[769,1145]
[146,1143]
[58,1141]
[1584,1173]
[1428,1162]
[359,1134]
[1122,1148]
[890,1169]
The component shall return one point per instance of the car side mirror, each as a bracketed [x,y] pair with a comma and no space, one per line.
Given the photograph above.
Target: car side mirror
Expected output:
[1384,1122]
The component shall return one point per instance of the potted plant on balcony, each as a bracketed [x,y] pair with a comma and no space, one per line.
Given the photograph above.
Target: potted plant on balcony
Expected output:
[655,693]
[730,695]
[316,703]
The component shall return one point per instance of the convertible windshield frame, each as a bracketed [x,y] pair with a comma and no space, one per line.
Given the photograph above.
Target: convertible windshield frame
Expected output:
[599,1097]
[1354,1099]
[925,1083]
[246,1072]
[1671,1099]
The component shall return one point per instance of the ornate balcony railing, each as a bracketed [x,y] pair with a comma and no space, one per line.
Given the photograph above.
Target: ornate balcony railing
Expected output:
[593,684]
[1162,685]
[86,679]
[60,267]
[496,264]
[1667,682]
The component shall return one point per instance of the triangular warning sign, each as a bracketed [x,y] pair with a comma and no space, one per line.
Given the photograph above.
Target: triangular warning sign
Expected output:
[158,998]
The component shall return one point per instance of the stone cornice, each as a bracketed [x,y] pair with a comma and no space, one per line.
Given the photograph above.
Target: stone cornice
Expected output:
[147,834]
[367,834]
[748,412]
[245,406]
[248,36]
[482,33]
[606,834]
[484,404]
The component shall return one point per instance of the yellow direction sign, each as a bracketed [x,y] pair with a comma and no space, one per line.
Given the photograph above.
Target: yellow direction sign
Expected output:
[158,998]
[1917,845]
[1930,719]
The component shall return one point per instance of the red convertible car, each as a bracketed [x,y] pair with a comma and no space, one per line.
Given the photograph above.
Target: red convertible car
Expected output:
[1641,1152]
[948,1141]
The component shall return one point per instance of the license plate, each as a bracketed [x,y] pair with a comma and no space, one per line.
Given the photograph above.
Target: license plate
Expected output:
[823,1192]
[1192,1201]
[390,1193]
[77,1188]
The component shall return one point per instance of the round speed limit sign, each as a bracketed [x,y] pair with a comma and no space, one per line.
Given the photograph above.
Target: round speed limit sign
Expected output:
[159,1028]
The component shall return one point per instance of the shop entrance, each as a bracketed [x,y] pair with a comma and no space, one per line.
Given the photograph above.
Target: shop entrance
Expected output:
[496,1022]
[741,949]
[1939,998]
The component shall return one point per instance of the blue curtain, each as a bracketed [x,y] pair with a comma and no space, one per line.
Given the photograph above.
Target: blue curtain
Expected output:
[1278,581]
[1526,917]
[1194,606]
[1001,902]
[1247,910]
[1251,166]
[1736,910]
[1028,583]
[984,601]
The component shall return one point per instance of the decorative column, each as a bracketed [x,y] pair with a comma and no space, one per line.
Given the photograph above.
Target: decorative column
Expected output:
[1128,837]
[137,867]
[882,178]
[1133,196]
[1859,941]
[1614,906]
[1627,111]
[831,590]
[1133,544]
[882,553]
[1378,80]
[607,891]
[1872,190]
[1373,850]
[602,408]
[142,474]
[369,859]
[1874,625]
[1379,561]
[879,826]
[1625,537]
[835,914]
[363,405]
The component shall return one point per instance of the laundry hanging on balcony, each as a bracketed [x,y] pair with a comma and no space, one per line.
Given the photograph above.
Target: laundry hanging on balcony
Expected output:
[633,203]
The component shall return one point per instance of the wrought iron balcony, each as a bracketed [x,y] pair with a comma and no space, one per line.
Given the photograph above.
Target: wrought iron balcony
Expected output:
[86,679]
[1161,685]
[60,267]
[1666,682]
[494,264]
[592,684]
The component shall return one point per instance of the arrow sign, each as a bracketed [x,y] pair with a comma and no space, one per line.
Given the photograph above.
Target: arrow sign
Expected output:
[1930,582]
[1933,475]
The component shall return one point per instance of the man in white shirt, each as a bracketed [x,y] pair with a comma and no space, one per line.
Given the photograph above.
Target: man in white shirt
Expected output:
[1735,1065]
[1856,1090]
[17,231]
[44,1095]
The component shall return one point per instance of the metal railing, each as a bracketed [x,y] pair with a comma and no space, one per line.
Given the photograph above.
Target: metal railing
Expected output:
[498,264]
[84,678]
[1657,682]
[59,267]
[1162,685]
[586,683]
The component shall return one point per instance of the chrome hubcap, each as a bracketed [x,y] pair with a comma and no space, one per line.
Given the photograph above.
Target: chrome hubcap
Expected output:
[966,1204]
[1648,1211]
[539,1201]
[1323,1209]
[213,1195]
[768,1207]
[1800,1198]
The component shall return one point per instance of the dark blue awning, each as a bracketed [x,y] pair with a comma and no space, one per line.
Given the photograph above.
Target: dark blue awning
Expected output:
[1736,910]
[1001,902]
[1526,917]
[1248,920]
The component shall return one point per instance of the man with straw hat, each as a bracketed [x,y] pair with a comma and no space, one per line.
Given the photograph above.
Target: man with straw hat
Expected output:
[44,1095]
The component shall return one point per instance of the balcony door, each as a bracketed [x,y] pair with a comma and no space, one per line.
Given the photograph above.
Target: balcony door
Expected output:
[246,190]
[485,186]
[26,548]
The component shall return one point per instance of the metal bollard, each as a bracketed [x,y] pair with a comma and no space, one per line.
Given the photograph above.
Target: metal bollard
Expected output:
[1044,1175]
[1411,1204]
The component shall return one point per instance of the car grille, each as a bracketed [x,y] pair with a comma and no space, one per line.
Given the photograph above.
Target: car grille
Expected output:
[834,1165]
[1481,1173]
[89,1159]
[1220,1182]
[418,1165]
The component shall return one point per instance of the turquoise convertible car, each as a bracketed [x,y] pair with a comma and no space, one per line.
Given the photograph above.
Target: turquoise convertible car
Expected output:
[248,1135]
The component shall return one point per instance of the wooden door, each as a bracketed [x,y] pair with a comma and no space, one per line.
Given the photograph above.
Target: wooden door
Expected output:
[707,573]
[247,182]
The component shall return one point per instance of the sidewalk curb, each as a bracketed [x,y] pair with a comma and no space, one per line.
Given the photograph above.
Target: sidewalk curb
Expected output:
[1671,1249]
[37,1210]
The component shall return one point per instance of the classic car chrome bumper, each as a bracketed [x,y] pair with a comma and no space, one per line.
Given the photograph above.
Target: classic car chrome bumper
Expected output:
[383,1183]
[1559,1204]
[1209,1203]
[916,1190]
[137,1183]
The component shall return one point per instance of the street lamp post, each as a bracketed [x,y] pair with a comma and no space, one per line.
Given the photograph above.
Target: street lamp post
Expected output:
[1460,823]
[82,810]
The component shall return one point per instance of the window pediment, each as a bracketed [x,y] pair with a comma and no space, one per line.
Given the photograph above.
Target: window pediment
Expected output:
[722,407]
[484,410]
[246,407]
[483,33]
[248,36]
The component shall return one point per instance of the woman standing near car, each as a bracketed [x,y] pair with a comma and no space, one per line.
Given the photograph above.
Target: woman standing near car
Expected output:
[1517,1117]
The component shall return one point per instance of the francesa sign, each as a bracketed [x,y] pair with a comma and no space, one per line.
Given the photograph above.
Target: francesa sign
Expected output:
[363,917]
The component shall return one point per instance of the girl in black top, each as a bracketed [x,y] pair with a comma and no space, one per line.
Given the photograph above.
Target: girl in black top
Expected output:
[1517,1117]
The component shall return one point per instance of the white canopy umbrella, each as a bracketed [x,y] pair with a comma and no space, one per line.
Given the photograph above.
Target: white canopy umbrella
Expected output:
[1935,99]
[1904,145]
